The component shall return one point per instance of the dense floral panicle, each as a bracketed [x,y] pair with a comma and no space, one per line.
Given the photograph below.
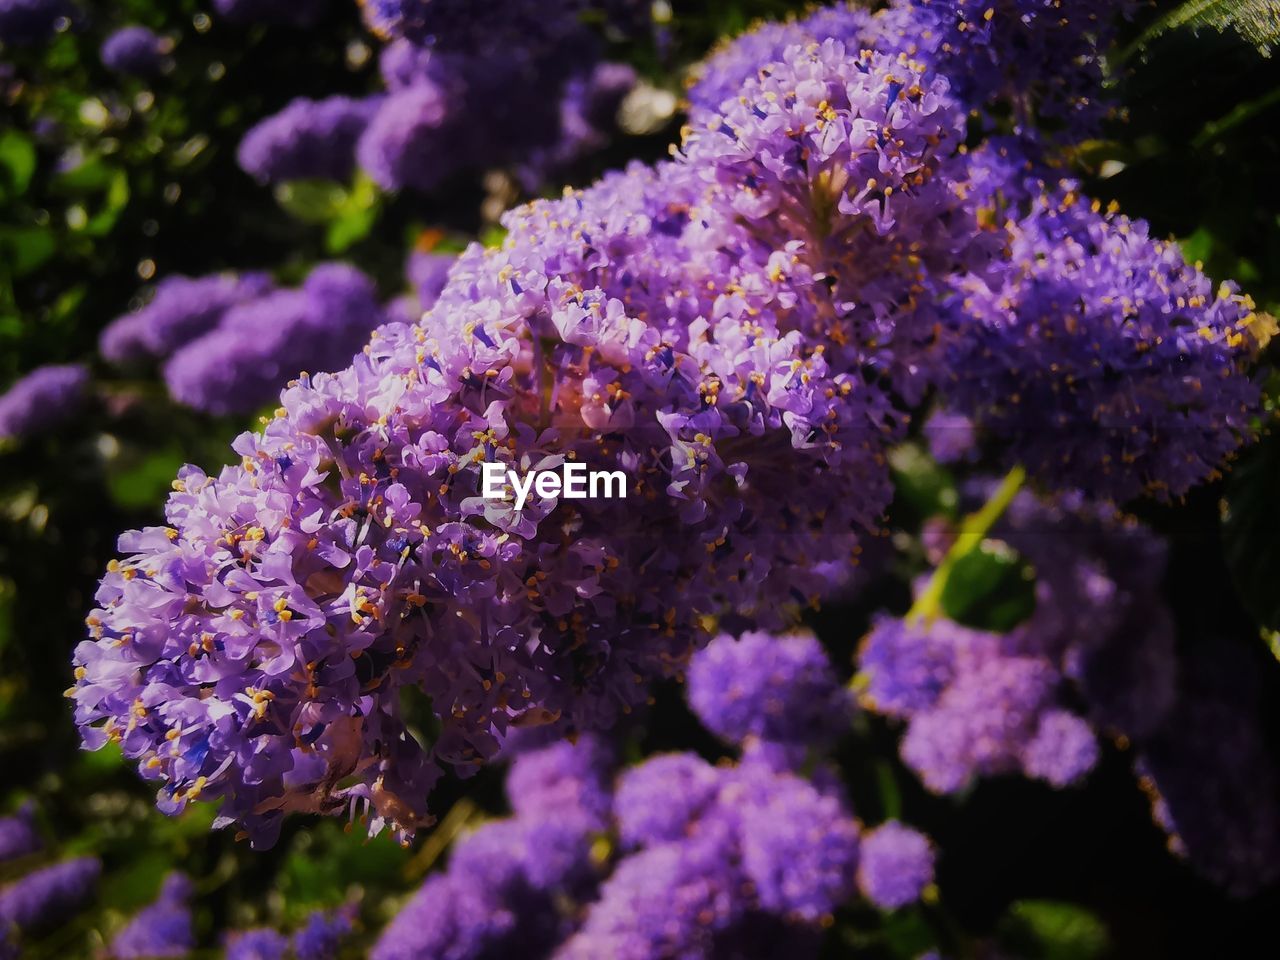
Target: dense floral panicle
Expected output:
[135,50]
[895,865]
[18,836]
[351,553]
[1212,777]
[452,25]
[259,344]
[404,144]
[1042,60]
[722,74]
[563,779]
[799,846]
[845,168]
[160,930]
[181,309]
[950,436]
[300,13]
[443,920]
[27,22]
[669,900]
[44,896]
[1063,749]
[978,703]
[776,688]
[322,934]
[307,139]
[1100,359]
[42,400]
[659,799]
[258,944]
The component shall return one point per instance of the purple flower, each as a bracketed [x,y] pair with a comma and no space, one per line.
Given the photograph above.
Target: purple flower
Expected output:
[321,936]
[562,780]
[44,896]
[18,836]
[42,400]
[307,139]
[181,309]
[258,944]
[1063,749]
[1100,359]
[298,13]
[658,800]
[777,688]
[28,22]
[895,866]
[163,929]
[259,344]
[799,846]
[428,273]
[950,437]
[135,50]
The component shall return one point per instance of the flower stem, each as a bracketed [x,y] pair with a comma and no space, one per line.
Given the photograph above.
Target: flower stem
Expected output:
[973,530]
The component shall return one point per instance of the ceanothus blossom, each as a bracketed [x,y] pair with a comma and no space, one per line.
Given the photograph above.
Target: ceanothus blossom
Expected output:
[780,689]
[43,400]
[162,929]
[180,310]
[18,835]
[307,139]
[135,50]
[895,865]
[978,703]
[1099,358]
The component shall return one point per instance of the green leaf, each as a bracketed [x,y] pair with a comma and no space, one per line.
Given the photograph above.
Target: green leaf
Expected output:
[142,484]
[990,588]
[312,201]
[1251,530]
[1257,21]
[920,483]
[26,249]
[1052,930]
[18,158]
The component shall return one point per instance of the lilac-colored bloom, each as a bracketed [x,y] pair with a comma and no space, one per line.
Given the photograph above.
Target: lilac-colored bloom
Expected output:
[322,935]
[1099,359]
[950,437]
[135,50]
[257,944]
[428,273]
[777,688]
[42,400]
[307,139]
[259,344]
[28,22]
[18,836]
[658,800]
[895,865]
[1063,749]
[162,929]
[562,780]
[181,309]
[44,896]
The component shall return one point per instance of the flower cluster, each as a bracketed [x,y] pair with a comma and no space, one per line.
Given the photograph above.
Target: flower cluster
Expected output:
[162,929]
[227,341]
[42,898]
[307,139]
[533,69]
[979,703]
[135,50]
[321,937]
[43,399]
[755,318]
[1098,358]
[709,859]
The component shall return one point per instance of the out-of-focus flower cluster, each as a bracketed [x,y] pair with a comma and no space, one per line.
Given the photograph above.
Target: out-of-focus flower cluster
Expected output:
[675,856]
